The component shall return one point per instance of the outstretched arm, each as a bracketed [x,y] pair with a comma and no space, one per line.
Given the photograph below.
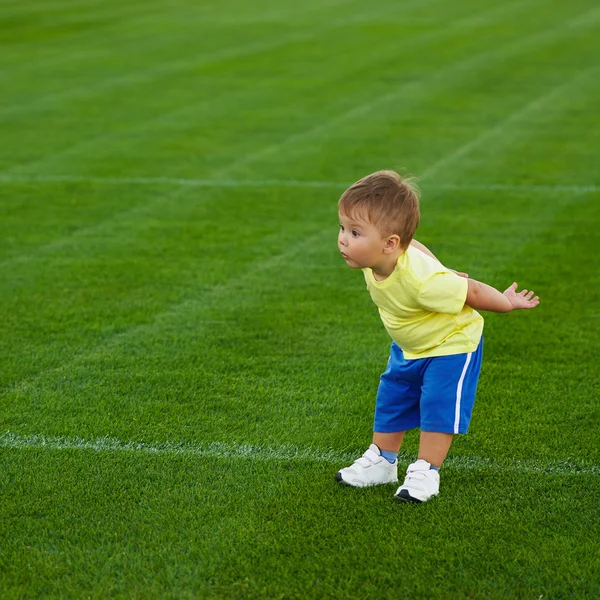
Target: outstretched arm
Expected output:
[484,297]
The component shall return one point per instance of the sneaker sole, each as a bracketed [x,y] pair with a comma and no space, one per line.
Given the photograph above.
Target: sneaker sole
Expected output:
[340,479]
[404,496]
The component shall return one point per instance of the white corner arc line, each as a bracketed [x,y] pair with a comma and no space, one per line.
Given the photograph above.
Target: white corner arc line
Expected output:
[516,116]
[288,183]
[284,453]
[459,393]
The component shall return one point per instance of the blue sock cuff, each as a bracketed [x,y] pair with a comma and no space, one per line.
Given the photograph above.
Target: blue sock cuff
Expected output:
[432,468]
[389,456]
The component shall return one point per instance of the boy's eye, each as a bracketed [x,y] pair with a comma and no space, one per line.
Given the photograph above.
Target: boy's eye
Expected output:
[355,233]
[341,227]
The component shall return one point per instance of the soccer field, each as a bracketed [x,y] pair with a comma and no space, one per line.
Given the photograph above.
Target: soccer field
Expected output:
[185,359]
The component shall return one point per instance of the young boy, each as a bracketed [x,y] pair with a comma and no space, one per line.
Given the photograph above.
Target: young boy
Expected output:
[430,313]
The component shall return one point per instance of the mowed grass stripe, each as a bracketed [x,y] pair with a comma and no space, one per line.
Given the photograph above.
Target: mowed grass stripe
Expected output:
[182,65]
[145,103]
[125,19]
[189,304]
[112,19]
[250,158]
[58,48]
[20,8]
[193,307]
[504,131]
[122,54]
[250,296]
[227,101]
[286,453]
[412,93]
[205,113]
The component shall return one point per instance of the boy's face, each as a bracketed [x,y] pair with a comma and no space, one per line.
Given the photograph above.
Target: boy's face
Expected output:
[360,242]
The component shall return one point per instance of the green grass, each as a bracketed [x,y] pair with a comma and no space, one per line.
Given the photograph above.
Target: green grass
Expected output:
[185,361]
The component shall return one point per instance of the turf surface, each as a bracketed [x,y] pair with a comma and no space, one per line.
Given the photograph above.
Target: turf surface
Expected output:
[185,361]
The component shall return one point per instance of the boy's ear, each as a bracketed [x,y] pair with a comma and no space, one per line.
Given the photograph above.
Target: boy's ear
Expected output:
[392,243]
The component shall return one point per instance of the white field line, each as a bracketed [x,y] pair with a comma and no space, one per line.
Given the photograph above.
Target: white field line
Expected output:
[416,88]
[37,165]
[288,183]
[284,453]
[518,187]
[166,67]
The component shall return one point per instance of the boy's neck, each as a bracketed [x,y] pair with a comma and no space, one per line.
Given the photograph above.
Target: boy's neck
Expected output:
[386,267]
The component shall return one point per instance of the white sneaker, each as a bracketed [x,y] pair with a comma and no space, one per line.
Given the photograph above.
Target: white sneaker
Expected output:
[421,483]
[370,469]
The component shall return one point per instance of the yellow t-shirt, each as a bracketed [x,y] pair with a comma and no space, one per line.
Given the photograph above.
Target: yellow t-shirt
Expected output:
[422,306]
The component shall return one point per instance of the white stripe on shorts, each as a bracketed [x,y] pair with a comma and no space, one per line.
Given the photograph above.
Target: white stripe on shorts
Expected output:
[459,393]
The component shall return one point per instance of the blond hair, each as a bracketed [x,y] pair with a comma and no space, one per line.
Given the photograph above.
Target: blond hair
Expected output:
[389,201]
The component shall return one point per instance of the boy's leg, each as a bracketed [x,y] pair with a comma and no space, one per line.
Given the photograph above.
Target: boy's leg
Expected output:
[396,409]
[390,442]
[422,478]
[448,395]
[434,447]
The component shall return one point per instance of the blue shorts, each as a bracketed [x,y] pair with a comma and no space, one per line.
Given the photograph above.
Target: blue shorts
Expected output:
[435,394]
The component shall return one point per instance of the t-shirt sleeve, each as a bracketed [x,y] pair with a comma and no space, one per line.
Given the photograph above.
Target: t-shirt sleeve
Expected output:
[443,292]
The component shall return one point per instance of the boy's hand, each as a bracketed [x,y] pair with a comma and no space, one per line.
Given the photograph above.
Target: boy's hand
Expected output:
[460,274]
[522,299]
